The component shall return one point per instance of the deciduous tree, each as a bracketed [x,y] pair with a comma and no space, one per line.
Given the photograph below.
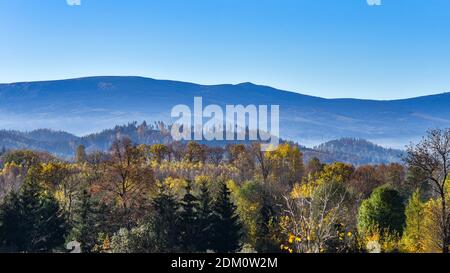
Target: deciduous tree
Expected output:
[432,157]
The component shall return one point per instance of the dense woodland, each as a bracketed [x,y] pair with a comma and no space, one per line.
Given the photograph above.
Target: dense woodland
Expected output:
[188,197]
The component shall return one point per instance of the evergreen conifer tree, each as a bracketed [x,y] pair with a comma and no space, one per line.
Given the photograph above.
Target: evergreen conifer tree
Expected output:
[31,220]
[264,242]
[226,227]
[88,223]
[166,220]
[204,218]
[189,225]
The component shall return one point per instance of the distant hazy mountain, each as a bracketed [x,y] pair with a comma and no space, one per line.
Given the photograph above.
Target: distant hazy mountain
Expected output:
[62,144]
[87,105]
[355,151]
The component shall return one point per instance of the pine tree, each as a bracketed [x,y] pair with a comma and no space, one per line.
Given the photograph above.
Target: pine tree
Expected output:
[226,227]
[31,220]
[166,220]
[189,227]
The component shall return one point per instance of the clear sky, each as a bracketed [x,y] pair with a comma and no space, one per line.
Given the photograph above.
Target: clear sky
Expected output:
[328,48]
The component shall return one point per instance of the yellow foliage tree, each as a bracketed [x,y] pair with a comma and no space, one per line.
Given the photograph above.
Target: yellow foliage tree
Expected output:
[287,164]
[414,236]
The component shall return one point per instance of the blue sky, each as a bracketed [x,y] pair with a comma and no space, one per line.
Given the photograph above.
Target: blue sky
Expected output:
[327,48]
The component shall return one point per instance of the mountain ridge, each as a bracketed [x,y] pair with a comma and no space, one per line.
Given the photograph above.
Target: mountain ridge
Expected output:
[443,93]
[90,104]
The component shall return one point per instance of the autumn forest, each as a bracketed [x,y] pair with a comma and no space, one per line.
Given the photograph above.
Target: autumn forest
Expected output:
[191,198]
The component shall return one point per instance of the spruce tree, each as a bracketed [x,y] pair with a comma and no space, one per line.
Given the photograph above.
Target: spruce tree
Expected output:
[204,219]
[226,227]
[88,223]
[264,243]
[31,220]
[166,220]
[189,226]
